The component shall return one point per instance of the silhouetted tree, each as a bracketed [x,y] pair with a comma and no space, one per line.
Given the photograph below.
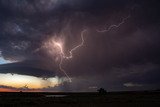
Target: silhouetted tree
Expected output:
[102,91]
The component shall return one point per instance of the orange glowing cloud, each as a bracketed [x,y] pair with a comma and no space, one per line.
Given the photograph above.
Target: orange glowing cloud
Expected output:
[7,90]
[26,82]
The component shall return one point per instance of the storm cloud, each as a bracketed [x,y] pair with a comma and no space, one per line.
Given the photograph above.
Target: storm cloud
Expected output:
[108,59]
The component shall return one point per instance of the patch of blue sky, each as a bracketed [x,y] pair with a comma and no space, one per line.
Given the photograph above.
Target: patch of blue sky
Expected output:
[3,61]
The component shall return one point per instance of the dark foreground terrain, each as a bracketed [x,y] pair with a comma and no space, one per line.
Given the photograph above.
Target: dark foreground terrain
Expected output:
[111,99]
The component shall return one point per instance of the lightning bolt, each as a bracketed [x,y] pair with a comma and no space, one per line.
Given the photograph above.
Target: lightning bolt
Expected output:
[61,68]
[76,47]
[113,26]
[63,56]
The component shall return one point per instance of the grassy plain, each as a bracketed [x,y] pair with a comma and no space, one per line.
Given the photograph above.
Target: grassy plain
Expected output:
[84,99]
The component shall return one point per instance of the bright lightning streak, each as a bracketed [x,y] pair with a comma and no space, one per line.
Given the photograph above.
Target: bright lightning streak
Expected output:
[61,68]
[76,47]
[113,26]
[59,45]
[63,56]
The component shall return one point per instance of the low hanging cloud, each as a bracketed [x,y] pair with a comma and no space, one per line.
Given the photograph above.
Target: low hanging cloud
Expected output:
[130,84]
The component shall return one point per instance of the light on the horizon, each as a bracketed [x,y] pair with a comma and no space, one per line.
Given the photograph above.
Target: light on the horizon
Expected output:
[20,81]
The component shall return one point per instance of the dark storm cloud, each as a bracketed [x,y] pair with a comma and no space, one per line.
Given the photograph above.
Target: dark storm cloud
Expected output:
[24,69]
[26,24]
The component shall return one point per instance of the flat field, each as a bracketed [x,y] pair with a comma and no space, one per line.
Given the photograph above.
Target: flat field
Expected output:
[83,99]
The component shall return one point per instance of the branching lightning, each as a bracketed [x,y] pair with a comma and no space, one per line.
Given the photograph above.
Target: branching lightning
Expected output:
[59,45]
[76,47]
[113,26]
[64,56]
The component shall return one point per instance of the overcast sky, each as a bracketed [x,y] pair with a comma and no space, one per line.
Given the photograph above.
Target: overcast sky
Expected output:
[121,49]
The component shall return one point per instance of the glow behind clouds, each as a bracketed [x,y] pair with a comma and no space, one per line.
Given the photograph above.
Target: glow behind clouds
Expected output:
[19,81]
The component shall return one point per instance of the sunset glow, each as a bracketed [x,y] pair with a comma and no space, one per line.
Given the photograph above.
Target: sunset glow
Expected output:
[30,82]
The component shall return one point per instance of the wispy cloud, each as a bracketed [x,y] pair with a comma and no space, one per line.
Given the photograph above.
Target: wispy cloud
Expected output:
[130,84]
